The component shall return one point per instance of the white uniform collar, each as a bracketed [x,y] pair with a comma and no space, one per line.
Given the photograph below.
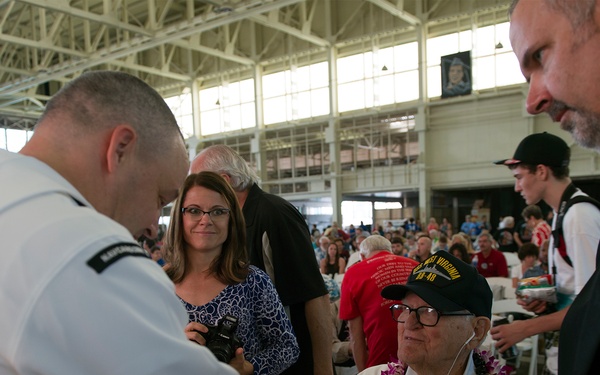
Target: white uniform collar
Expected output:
[45,180]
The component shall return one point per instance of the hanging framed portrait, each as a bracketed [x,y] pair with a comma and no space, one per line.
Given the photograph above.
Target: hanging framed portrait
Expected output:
[456,74]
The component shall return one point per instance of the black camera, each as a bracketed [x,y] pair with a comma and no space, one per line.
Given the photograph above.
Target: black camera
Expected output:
[221,339]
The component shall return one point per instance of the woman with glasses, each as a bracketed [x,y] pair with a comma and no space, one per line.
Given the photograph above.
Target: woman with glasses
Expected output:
[207,260]
[443,314]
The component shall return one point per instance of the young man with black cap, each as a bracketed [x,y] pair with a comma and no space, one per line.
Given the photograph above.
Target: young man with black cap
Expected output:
[540,166]
[452,306]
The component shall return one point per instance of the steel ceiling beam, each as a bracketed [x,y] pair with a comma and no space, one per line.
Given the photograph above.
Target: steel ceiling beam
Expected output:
[400,13]
[265,21]
[63,7]
[141,43]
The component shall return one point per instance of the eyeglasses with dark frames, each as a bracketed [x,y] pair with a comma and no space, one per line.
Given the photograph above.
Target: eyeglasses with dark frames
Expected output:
[427,316]
[197,214]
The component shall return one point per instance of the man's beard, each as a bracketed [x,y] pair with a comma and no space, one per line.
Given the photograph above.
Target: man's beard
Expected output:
[583,125]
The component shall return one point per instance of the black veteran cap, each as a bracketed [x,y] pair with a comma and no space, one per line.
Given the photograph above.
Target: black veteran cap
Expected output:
[447,284]
[542,148]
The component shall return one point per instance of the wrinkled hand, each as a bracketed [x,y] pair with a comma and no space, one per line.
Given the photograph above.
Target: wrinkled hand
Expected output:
[507,335]
[192,332]
[240,364]
[536,306]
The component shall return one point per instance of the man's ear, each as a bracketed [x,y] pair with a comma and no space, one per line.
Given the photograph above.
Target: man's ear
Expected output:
[543,171]
[121,144]
[226,177]
[481,326]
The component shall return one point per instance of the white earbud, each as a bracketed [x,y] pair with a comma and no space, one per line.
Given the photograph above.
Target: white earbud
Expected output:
[461,348]
[470,338]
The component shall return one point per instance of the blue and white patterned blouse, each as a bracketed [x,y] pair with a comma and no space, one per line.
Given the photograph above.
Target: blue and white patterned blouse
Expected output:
[263,327]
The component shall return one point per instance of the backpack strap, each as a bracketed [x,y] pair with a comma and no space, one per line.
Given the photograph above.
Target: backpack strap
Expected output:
[557,232]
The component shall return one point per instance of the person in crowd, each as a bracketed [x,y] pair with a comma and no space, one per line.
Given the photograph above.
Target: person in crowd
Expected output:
[321,251]
[443,315]
[389,227]
[333,263]
[356,256]
[341,247]
[460,251]
[433,225]
[572,44]
[398,247]
[423,251]
[278,242]
[541,268]
[400,232]
[205,251]
[467,225]
[540,166]
[464,239]
[434,234]
[359,232]
[442,244]
[541,231]
[341,345]
[78,294]
[411,226]
[351,230]
[156,255]
[334,231]
[315,232]
[484,224]
[446,228]
[505,235]
[489,261]
[411,243]
[528,255]
[373,336]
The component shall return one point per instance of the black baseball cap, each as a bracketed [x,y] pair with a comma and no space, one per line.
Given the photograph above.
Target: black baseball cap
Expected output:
[447,284]
[541,148]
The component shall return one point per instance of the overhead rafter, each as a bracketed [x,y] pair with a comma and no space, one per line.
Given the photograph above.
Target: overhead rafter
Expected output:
[171,33]
[396,11]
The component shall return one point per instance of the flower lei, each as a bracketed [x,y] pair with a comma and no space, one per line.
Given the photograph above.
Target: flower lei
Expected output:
[485,364]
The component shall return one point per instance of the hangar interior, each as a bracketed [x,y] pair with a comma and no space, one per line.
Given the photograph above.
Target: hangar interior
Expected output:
[331,101]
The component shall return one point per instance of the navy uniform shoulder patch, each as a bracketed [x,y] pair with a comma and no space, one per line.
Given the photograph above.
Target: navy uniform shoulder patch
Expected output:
[104,258]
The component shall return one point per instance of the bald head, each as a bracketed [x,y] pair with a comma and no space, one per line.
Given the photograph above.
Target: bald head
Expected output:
[100,100]
[116,141]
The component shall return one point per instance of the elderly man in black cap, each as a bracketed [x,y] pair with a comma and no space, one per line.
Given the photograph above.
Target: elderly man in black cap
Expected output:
[443,314]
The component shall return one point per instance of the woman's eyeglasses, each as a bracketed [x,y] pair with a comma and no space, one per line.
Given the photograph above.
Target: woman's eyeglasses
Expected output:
[197,214]
[426,316]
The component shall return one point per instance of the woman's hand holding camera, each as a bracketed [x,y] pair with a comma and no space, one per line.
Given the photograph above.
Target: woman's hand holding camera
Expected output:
[192,331]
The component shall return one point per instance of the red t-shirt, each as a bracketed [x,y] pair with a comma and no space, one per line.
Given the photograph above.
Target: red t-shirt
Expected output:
[493,265]
[361,296]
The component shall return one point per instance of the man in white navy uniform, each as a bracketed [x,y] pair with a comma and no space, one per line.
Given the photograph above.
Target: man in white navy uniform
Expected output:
[77,293]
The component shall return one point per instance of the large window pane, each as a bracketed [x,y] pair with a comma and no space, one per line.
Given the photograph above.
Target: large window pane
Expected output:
[274,85]
[406,57]
[350,68]
[484,75]
[508,71]
[319,75]
[248,115]
[320,102]
[275,110]
[351,96]
[210,122]
[407,86]
[295,102]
